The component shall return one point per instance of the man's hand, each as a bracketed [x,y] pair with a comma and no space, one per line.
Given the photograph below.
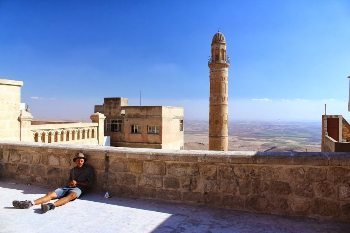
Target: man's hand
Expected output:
[72,183]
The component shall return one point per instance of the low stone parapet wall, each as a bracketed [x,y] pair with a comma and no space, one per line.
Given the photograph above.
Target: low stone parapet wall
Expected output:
[331,145]
[294,184]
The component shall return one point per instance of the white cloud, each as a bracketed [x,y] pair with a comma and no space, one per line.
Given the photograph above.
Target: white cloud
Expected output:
[35,97]
[300,100]
[329,100]
[262,99]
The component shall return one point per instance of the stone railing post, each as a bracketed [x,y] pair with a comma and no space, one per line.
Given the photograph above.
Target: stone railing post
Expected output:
[63,136]
[99,118]
[25,120]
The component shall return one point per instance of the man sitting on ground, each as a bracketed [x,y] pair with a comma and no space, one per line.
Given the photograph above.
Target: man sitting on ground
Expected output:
[80,180]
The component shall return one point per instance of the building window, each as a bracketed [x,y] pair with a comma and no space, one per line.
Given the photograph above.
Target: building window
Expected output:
[107,125]
[181,125]
[116,125]
[135,129]
[222,54]
[153,129]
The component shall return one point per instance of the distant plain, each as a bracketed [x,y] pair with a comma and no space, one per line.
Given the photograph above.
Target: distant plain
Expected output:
[259,136]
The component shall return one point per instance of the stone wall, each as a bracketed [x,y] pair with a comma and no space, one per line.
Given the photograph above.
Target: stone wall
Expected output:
[331,145]
[346,130]
[328,144]
[295,184]
[172,133]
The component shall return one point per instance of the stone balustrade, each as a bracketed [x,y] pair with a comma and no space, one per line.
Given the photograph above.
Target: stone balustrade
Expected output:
[65,133]
[62,132]
[305,184]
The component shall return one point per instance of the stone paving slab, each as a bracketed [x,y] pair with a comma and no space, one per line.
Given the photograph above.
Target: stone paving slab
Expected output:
[94,213]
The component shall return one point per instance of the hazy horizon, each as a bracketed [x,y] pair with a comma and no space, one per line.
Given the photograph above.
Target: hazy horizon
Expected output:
[239,110]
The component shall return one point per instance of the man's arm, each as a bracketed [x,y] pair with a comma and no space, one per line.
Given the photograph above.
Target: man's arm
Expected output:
[71,179]
[86,179]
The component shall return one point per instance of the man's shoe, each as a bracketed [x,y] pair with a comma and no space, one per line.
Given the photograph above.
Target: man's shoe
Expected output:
[22,204]
[47,207]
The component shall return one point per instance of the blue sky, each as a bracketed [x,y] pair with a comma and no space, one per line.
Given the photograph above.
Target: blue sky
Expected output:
[288,58]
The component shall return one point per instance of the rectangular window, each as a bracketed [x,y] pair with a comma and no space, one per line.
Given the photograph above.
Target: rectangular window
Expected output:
[107,126]
[181,125]
[135,129]
[153,129]
[117,125]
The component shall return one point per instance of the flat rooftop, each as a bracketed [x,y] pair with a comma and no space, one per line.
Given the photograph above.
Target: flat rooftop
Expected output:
[94,213]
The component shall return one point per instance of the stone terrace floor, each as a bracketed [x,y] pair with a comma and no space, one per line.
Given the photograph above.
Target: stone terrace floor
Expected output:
[94,213]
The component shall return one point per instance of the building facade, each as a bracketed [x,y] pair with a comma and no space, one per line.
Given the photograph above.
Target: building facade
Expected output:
[159,127]
[218,102]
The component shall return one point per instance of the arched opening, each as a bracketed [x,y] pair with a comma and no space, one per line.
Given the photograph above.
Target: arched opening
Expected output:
[73,135]
[93,133]
[49,139]
[43,137]
[78,134]
[56,137]
[62,136]
[67,136]
[88,133]
[36,137]
[83,136]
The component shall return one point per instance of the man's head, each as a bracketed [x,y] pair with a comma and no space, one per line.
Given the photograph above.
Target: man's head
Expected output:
[79,159]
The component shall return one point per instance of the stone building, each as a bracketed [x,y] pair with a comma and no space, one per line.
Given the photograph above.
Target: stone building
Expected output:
[159,127]
[218,107]
[17,124]
[335,132]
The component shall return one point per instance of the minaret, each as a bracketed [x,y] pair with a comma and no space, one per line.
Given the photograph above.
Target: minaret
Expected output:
[218,109]
[349,96]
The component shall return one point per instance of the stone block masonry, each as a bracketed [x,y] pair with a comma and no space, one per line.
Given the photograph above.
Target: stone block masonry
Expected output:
[313,185]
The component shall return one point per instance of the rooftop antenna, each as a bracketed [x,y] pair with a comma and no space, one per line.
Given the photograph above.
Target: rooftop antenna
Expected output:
[140,97]
[325,109]
[349,96]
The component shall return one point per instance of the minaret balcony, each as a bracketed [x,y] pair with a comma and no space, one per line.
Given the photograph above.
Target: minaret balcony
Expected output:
[220,61]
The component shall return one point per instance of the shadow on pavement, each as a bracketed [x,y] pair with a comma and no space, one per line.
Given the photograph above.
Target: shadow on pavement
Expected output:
[191,218]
